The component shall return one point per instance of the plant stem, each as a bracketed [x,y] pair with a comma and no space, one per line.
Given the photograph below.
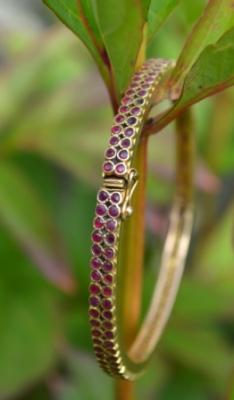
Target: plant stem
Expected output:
[133,254]
[124,390]
[154,125]
[133,250]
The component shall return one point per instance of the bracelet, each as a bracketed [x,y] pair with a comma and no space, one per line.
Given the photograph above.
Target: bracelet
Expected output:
[113,209]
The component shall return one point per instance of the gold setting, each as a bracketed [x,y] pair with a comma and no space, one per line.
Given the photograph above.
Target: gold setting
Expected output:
[109,346]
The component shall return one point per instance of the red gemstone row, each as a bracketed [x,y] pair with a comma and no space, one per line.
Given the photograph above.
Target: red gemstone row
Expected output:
[126,123]
[103,269]
[108,216]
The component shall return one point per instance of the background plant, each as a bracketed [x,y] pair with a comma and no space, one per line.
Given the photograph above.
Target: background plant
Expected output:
[53,108]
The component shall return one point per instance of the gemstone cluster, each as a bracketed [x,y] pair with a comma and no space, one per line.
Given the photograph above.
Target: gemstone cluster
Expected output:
[107,222]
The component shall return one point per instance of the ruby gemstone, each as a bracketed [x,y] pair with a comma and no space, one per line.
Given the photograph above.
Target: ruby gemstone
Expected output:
[114,211]
[107,325]
[94,313]
[96,332]
[116,129]
[109,253]
[96,276]
[109,335]
[107,266]
[101,210]
[119,118]
[115,197]
[110,239]
[126,143]
[94,289]
[127,100]
[107,304]
[96,236]
[114,140]
[120,169]
[132,121]
[110,153]
[142,92]
[94,301]
[111,225]
[98,222]
[108,279]
[96,249]
[107,291]
[96,263]
[123,109]
[108,167]
[129,132]
[103,196]
[107,314]
[135,110]
[123,154]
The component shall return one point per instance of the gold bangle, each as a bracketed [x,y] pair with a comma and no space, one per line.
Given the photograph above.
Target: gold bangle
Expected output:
[113,208]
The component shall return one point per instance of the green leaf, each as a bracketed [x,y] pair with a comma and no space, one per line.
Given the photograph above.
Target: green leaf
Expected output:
[219,150]
[81,21]
[86,8]
[29,324]
[216,258]
[26,340]
[218,18]
[76,217]
[121,25]
[85,370]
[201,349]
[67,134]
[63,144]
[200,302]
[27,219]
[23,342]
[48,63]
[158,12]
[65,150]
[185,384]
[68,13]
[212,72]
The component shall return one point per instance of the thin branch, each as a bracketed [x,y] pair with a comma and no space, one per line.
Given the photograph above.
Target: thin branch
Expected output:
[88,28]
[154,125]
[124,390]
[133,253]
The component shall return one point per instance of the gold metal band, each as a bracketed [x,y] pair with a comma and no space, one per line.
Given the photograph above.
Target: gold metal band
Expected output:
[115,355]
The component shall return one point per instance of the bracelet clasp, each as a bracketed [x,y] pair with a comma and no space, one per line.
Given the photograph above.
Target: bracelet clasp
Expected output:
[126,185]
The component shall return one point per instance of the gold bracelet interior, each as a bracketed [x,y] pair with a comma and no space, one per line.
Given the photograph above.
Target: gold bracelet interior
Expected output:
[137,350]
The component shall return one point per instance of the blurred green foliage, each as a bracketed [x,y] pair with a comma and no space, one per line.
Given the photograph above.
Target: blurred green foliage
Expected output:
[55,116]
